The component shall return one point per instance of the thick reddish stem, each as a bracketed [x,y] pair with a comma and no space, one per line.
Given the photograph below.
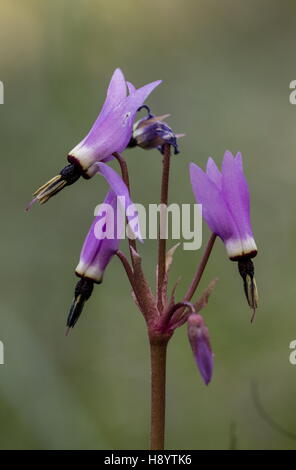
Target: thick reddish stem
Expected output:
[158,348]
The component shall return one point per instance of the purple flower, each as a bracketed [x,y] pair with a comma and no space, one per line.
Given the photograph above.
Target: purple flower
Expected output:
[99,245]
[151,132]
[226,204]
[110,133]
[112,130]
[200,343]
[102,240]
[96,253]
[226,208]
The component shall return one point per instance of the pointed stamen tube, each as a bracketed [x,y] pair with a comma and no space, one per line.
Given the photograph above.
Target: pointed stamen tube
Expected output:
[69,175]
[246,270]
[83,291]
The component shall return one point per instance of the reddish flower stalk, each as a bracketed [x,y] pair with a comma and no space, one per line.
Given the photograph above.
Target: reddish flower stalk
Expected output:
[200,269]
[125,178]
[162,241]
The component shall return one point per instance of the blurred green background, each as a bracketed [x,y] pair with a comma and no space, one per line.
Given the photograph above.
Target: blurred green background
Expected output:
[226,68]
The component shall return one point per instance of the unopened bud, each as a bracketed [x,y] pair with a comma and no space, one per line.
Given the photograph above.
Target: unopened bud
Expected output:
[152,132]
[200,343]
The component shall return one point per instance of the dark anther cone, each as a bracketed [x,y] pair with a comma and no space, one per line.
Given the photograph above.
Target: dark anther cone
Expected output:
[83,291]
[246,270]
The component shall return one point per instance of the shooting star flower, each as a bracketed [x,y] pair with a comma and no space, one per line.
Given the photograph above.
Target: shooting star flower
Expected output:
[96,253]
[110,133]
[102,240]
[226,208]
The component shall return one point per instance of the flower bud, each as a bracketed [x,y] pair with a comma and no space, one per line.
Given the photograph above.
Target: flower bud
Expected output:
[200,343]
[151,132]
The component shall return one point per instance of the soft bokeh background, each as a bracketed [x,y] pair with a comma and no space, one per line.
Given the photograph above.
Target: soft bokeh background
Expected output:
[226,68]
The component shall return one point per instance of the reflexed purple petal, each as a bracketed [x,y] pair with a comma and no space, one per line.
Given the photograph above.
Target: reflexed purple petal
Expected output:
[90,246]
[244,185]
[91,243]
[112,130]
[239,161]
[115,130]
[213,173]
[115,181]
[214,208]
[236,193]
[131,87]
[108,246]
[116,93]
[139,96]
[97,251]
[204,360]
[119,187]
